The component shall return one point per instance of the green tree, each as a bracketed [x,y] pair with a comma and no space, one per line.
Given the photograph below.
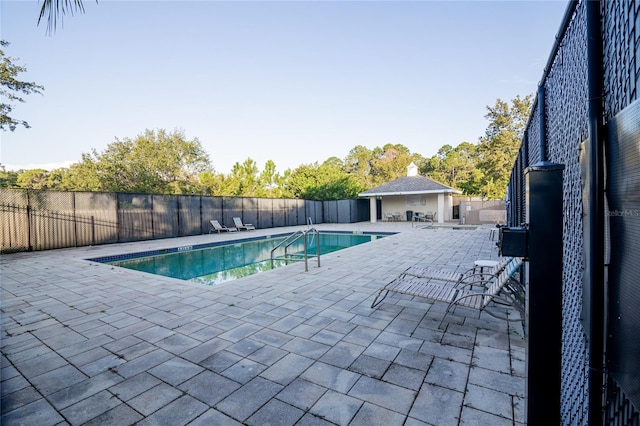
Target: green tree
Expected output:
[8,178]
[503,116]
[322,182]
[390,162]
[154,162]
[59,179]
[243,180]
[455,167]
[213,183]
[33,179]
[84,175]
[11,89]
[271,182]
[436,167]
[499,147]
[359,163]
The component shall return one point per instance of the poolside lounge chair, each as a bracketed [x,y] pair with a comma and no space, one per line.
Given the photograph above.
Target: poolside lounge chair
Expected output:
[471,276]
[216,227]
[242,226]
[501,289]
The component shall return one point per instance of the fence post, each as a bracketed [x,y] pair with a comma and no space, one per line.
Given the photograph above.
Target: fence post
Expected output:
[544,293]
[93,231]
[594,243]
[75,220]
[178,214]
[29,246]
[118,221]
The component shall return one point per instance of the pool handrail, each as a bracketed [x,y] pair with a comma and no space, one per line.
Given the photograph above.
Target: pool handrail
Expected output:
[287,242]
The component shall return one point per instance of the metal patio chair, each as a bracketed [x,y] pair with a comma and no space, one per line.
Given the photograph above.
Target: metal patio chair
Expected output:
[478,275]
[215,226]
[500,288]
[242,226]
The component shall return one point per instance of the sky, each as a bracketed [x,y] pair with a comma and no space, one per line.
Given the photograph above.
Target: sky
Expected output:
[295,82]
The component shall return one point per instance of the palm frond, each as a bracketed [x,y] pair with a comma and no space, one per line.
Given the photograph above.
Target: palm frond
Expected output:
[54,10]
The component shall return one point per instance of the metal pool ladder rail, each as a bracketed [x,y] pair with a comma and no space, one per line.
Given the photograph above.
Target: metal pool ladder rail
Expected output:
[297,257]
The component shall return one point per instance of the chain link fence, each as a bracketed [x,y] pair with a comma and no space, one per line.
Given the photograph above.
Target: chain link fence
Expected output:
[558,131]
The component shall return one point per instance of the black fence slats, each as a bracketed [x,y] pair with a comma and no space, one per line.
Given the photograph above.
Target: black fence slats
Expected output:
[189,215]
[42,220]
[565,85]
[265,209]
[250,211]
[279,212]
[210,209]
[232,207]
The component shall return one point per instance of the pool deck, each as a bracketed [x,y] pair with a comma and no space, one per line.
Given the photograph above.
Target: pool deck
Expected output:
[88,343]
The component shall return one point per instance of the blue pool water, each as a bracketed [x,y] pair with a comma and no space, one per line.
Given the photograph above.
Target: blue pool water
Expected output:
[216,263]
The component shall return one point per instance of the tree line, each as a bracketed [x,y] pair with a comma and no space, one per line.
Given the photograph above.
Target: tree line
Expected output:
[158,161]
[166,162]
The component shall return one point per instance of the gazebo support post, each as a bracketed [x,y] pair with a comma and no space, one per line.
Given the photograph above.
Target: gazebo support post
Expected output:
[373,211]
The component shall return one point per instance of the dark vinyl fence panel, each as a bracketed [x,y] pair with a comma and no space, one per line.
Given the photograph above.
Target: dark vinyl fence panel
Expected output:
[250,211]
[279,212]
[135,217]
[14,208]
[96,218]
[43,220]
[165,219]
[621,36]
[343,208]
[291,212]
[265,207]
[190,215]
[301,212]
[314,211]
[54,227]
[623,160]
[330,211]
[232,208]
[211,209]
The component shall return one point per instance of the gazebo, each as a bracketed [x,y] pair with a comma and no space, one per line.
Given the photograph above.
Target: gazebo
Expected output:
[412,193]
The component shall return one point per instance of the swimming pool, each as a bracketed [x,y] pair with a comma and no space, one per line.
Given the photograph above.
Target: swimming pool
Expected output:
[225,261]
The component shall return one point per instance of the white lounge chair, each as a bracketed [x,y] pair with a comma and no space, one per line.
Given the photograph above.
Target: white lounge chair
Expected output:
[486,269]
[500,290]
[216,227]
[242,226]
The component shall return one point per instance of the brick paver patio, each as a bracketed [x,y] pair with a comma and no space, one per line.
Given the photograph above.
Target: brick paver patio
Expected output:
[86,343]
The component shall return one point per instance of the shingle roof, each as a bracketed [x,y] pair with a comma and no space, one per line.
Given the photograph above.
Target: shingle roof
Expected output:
[409,185]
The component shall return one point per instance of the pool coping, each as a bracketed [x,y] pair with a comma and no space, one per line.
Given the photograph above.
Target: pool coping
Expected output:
[178,249]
